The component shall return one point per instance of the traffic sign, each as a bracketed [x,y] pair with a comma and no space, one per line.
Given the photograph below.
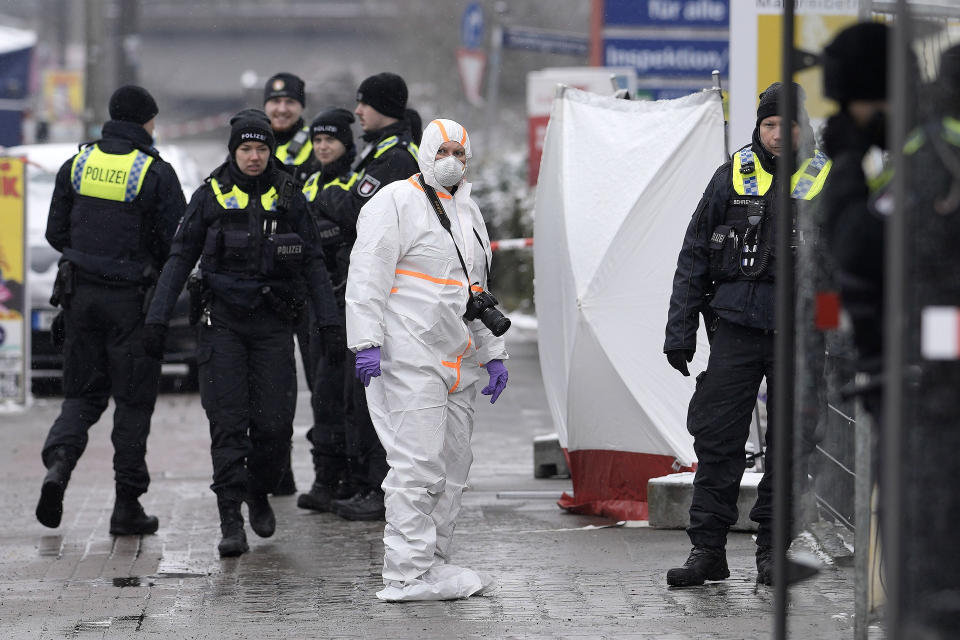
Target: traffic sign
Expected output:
[471,26]
[545,40]
[471,64]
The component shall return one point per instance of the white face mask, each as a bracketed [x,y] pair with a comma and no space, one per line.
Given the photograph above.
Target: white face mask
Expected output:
[448,171]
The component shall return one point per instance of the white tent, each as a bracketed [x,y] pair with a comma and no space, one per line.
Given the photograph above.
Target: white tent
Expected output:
[618,185]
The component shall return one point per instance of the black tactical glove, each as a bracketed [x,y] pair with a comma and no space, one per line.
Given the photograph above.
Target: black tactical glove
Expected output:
[678,359]
[154,337]
[333,342]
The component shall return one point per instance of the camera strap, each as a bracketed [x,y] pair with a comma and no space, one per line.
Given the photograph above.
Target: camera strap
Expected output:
[445,223]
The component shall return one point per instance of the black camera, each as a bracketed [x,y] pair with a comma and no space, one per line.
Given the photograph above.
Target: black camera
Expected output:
[483,305]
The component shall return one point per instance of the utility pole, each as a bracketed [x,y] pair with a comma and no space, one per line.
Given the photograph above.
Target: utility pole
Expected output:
[493,77]
[127,41]
[94,106]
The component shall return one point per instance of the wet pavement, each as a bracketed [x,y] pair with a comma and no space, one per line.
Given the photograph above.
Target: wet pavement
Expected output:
[558,575]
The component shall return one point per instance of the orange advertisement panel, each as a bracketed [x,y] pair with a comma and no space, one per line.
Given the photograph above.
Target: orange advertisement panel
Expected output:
[13,351]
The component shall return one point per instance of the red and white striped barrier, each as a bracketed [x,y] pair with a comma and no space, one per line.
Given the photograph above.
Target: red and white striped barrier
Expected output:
[511,243]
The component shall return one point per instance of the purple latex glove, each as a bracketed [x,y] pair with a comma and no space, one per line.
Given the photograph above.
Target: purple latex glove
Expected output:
[498,380]
[368,364]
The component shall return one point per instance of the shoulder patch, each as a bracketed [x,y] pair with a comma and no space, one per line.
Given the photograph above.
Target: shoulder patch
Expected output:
[368,186]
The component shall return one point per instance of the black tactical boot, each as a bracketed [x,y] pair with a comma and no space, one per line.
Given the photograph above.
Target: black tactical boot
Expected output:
[317,499]
[366,505]
[262,520]
[704,563]
[287,486]
[234,541]
[796,571]
[50,505]
[128,518]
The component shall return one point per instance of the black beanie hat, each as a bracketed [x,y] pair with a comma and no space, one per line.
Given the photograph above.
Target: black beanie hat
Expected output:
[285,85]
[855,63]
[131,103]
[335,122]
[250,129]
[249,113]
[386,92]
[770,101]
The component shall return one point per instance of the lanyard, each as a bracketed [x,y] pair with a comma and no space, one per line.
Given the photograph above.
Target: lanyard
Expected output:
[445,223]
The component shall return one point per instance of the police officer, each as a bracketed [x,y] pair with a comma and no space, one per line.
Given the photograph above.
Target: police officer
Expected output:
[259,258]
[284,99]
[728,251]
[333,147]
[857,206]
[114,210]
[390,155]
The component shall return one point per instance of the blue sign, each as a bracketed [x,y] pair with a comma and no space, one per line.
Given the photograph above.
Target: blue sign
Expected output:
[471,26]
[545,41]
[667,13]
[668,57]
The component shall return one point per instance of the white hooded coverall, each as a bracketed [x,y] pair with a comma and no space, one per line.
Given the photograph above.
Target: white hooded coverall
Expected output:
[406,293]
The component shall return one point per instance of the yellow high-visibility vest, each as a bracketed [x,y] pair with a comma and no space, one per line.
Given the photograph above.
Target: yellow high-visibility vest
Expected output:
[751,179]
[238,199]
[109,176]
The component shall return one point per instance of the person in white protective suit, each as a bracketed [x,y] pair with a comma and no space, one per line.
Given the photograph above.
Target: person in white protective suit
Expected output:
[406,297]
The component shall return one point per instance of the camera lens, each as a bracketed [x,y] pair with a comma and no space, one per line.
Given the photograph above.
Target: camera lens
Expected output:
[495,321]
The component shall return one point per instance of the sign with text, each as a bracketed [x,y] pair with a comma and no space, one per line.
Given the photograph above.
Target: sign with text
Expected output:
[546,41]
[668,57]
[13,302]
[667,13]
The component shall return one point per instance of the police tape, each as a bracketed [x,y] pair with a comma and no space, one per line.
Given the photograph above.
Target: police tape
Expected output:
[193,127]
[511,243]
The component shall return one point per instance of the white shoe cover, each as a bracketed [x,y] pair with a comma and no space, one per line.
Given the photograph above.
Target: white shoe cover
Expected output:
[440,582]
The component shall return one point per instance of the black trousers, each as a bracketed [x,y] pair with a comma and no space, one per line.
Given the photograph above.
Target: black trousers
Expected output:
[102,357]
[248,388]
[369,460]
[329,399]
[719,421]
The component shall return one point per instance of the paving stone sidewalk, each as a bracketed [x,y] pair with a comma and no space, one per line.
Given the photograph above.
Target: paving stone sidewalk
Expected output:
[558,575]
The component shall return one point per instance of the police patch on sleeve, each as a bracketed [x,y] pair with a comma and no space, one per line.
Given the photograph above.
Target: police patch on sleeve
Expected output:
[368,186]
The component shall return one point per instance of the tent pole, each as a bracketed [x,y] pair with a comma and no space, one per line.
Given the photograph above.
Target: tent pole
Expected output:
[719,89]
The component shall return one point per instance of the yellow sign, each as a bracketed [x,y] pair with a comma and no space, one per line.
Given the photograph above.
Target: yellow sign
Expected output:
[811,33]
[13,299]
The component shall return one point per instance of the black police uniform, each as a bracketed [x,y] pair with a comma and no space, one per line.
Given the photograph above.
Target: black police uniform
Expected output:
[726,267]
[324,191]
[391,155]
[114,211]
[259,258]
[295,156]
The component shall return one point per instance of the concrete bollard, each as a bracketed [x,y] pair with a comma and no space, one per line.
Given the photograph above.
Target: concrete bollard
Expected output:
[669,497]
[548,458]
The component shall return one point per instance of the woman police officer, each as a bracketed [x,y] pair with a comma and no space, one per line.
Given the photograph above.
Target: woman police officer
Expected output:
[259,257]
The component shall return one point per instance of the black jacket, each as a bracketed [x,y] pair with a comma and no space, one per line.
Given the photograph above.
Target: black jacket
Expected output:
[242,289]
[300,172]
[160,202]
[389,156]
[327,209]
[747,302]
